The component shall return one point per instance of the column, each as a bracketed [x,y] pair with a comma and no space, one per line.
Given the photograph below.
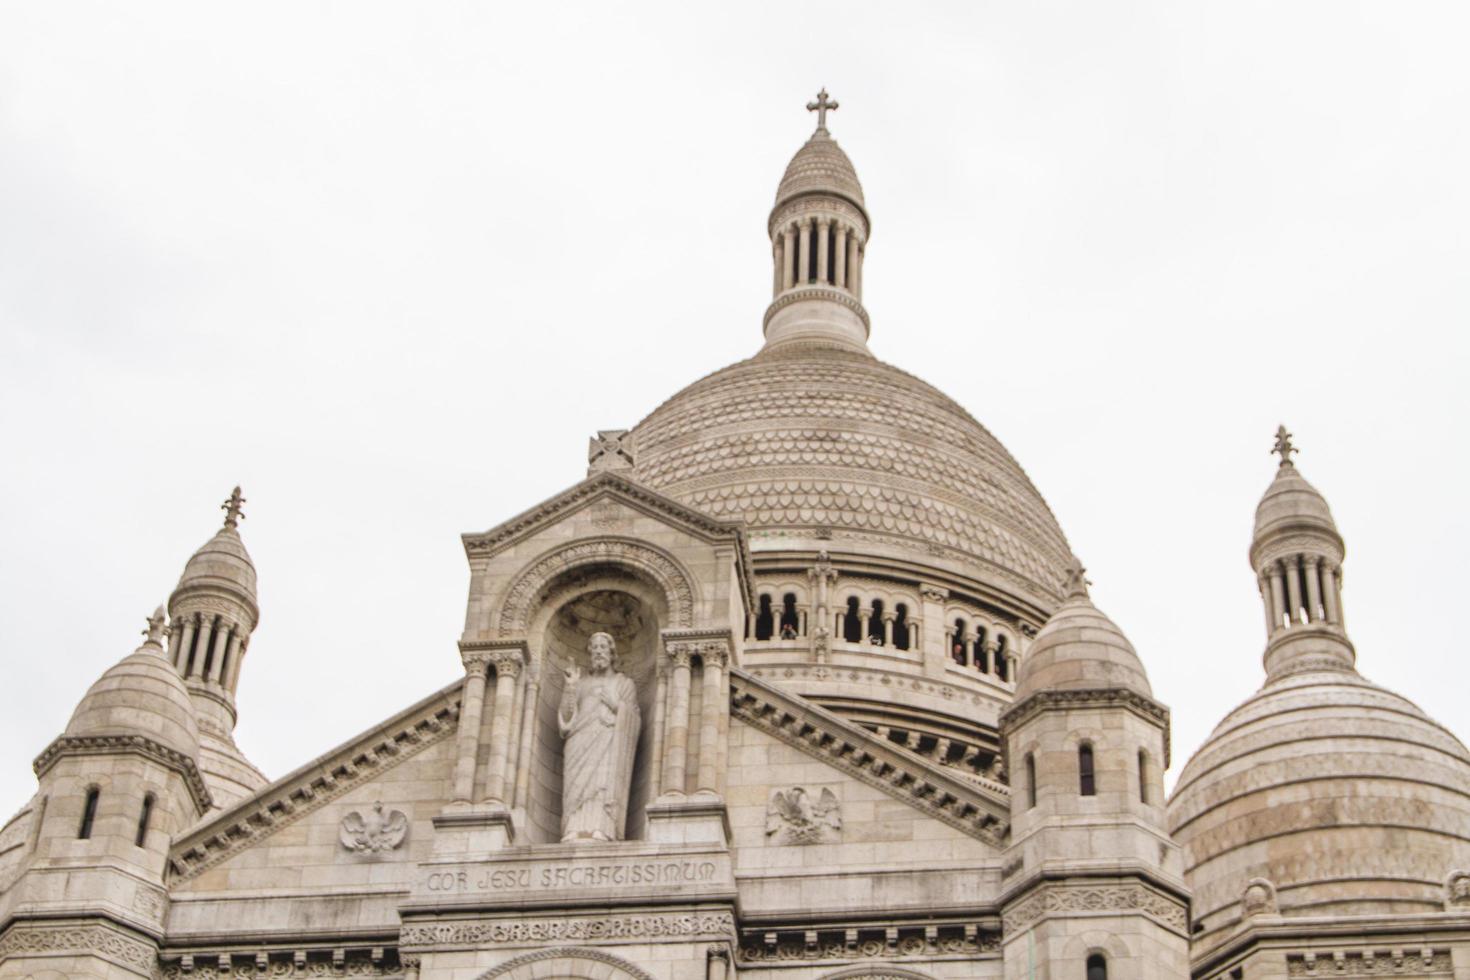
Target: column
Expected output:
[1278,597]
[184,645]
[718,965]
[1314,588]
[1266,603]
[471,706]
[888,629]
[852,262]
[217,658]
[712,658]
[513,753]
[824,272]
[1332,593]
[857,274]
[410,965]
[750,626]
[676,747]
[839,276]
[206,636]
[788,257]
[507,666]
[804,258]
[660,696]
[970,644]
[777,265]
[530,698]
[865,616]
[1294,588]
[915,642]
[992,657]
[949,644]
[801,620]
[238,645]
[175,635]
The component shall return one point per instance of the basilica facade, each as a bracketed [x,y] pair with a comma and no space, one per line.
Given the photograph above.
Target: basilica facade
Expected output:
[802,682]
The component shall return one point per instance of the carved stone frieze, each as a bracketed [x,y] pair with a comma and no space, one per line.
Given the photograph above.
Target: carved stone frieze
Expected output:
[517,607]
[1418,962]
[277,964]
[902,942]
[589,928]
[92,938]
[1066,897]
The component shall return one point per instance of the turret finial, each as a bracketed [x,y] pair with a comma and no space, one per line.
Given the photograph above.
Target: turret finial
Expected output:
[154,632]
[232,508]
[1076,584]
[821,106]
[1283,446]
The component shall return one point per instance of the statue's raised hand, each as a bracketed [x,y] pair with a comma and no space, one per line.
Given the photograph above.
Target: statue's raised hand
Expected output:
[573,675]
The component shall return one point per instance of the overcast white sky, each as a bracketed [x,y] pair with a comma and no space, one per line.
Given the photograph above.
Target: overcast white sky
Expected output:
[388,266]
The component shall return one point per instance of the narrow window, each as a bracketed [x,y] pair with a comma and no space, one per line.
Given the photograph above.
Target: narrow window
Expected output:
[875,623]
[143,817]
[89,813]
[764,620]
[1097,967]
[1142,776]
[958,652]
[852,626]
[790,620]
[1002,661]
[1030,780]
[982,656]
[1084,770]
[901,626]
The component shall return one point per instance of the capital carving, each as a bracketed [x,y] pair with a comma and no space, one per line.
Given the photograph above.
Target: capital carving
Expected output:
[933,593]
[714,654]
[475,661]
[507,662]
[680,654]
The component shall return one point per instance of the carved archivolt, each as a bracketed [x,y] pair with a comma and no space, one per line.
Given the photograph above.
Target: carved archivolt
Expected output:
[568,959]
[520,603]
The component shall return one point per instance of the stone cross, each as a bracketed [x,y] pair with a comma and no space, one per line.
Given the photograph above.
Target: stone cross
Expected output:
[1283,445]
[820,107]
[231,507]
[610,449]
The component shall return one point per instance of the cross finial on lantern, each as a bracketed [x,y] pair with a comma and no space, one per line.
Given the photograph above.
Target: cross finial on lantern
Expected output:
[232,508]
[1283,446]
[820,107]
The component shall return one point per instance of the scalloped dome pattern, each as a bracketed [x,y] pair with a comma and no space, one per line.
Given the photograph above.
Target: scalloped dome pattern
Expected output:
[820,167]
[143,695]
[1347,796]
[807,436]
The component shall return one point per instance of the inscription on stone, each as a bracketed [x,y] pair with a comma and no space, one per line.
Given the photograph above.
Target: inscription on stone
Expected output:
[593,874]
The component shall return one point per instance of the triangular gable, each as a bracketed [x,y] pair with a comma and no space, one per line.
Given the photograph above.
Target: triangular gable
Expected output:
[859,753]
[320,781]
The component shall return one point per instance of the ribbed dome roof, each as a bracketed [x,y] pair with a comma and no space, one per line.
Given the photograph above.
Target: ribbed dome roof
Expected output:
[1346,796]
[1290,501]
[805,437]
[140,695]
[820,166]
[222,562]
[1080,649]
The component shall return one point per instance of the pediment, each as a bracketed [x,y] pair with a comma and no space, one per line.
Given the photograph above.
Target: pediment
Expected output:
[862,755]
[609,491]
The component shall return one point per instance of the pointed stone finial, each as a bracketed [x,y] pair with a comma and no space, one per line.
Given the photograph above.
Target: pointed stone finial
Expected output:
[1283,446]
[232,508]
[821,107]
[154,632]
[1076,584]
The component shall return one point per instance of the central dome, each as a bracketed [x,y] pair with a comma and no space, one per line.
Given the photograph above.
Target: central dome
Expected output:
[814,441]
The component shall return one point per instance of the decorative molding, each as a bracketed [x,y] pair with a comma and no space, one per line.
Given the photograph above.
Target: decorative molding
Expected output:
[314,785]
[79,939]
[573,953]
[883,943]
[518,605]
[593,928]
[861,754]
[135,744]
[1065,898]
[1362,963]
[285,964]
[811,291]
[374,831]
[710,646]
[1111,697]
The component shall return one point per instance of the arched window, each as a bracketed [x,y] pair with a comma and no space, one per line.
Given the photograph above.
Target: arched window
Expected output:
[89,813]
[852,626]
[790,621]
[765,621]
[875,623]
[1097,967]
[982,656]
[1086,779]
[1030,780]
[1002,658]
[144,816]
[957,650]
[1142,776]
[901,626]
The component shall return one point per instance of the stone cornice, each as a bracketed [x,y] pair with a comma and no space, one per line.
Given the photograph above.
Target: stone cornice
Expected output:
[1364,931]
[863,755]
[91,937]
[65,745]
[1108,697]
[316,783]
[1063,896]
[830,294]
[611,484]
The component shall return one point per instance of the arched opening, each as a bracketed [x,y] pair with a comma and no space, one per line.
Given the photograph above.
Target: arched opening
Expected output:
[1097,967]
[1086,778]
[765,620]
[982,655]
[144,816]
[89,813]
[875,623]
[957,650]
[790,619]
[1030,780]
[901,626]
[1142,776]
[852,625]
[1002,658]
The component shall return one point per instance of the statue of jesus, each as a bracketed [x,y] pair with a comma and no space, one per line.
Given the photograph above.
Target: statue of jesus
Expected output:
[599,722]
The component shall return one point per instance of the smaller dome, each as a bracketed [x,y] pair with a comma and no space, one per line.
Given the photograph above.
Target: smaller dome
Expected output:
[222,562]
[820,167]
[1080,649]
[1291,502]
[140,695]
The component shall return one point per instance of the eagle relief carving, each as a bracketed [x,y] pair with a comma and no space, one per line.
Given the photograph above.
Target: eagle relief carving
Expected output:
[375,831]
[793,816]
